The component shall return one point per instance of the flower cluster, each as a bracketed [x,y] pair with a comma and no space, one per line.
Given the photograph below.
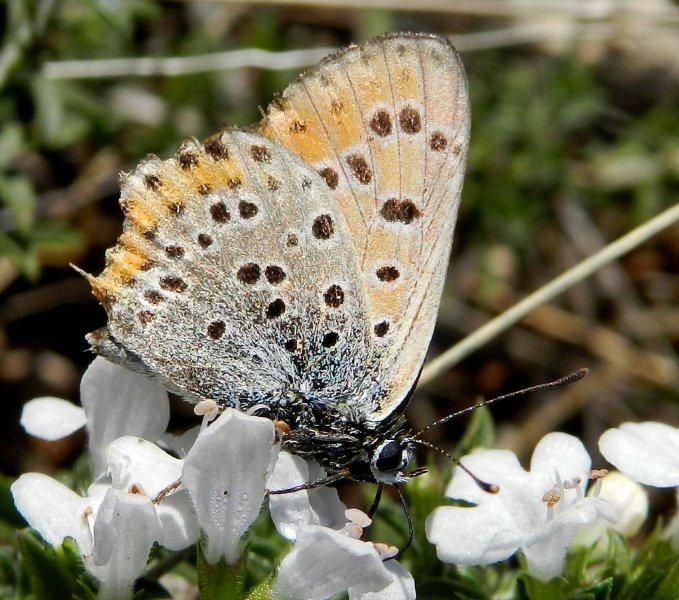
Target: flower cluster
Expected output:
[143,495]
[151,487]
[538,511]
[542,512]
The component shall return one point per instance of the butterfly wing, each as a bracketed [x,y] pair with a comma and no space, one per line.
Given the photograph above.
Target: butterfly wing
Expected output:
[235,278]
[386,124]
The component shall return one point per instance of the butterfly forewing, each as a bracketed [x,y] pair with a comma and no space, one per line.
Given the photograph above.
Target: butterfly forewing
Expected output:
[386,125]
[235,278]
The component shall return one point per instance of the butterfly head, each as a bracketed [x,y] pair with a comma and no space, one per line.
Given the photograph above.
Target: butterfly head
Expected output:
[390,459]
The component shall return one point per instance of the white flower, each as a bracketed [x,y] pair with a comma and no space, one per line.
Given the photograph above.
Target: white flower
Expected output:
[124,531]
[646,452]
[114,532]
[226,472]
[141,466]
[54,510]
[318,506]
[51,418]
[630,502]
[328,557]
[538,512]
[180,443]
[325,562]
[116,524]
[115,402]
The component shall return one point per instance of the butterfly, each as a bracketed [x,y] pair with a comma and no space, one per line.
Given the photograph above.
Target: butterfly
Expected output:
[294,270]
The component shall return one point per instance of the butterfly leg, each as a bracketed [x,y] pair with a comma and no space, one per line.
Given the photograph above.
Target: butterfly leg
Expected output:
[376,501]
[167,490]
[409,518]
[373,507]
[309,485]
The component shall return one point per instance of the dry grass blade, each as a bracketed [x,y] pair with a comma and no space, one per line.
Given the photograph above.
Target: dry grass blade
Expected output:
[172,66]
[573,276]
[489,8]
[181,65]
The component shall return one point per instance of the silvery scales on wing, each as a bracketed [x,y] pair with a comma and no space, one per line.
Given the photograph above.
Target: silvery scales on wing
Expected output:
[294,270]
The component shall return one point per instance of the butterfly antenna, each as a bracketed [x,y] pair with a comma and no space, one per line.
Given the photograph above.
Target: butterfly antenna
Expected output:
[310,485]
[563,381]
[491,488]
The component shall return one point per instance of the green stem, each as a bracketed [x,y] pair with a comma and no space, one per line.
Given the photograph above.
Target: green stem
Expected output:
[220,581]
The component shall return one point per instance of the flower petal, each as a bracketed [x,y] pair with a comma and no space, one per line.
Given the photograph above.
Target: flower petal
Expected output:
[225,472]
[630,502]
[96,492]
[319,506]
[479,535]
[133,460]
[180,444]
[52,509]
[124,532]
[324,562]
[119,402]
[563,454]
[402,586]
[647,452]
[546,552]
[546,555]
[547,558]
[178,517]
[51,418]
[499,467]
[628,499]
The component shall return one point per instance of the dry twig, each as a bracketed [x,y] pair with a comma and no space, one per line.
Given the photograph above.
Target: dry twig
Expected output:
[546,293]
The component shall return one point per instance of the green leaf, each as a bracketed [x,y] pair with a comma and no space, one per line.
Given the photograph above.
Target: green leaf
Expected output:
[73,561]
[17,194]
[220,581]
[8,575]
[11,143]
[58,126]
[648,572]
[600,591]
[618,554]
[85,590]
[669,588]
[24,259]
[54,243]
[480,432]
[8,512]
[48,575]
[261,591]
[530,588]
[446,589]
[576,565]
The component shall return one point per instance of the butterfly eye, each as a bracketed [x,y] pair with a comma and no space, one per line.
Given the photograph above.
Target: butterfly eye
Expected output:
[390,456]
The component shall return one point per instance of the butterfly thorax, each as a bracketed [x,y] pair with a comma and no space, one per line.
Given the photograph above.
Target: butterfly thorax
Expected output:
[340,439]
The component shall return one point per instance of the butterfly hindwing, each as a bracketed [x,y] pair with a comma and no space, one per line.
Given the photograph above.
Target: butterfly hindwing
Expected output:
[235,277]
[386,124]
